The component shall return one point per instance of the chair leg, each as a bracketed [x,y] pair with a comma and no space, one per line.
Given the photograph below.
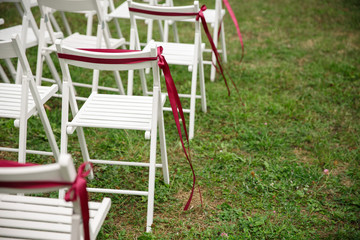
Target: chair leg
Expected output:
[3,75]
[176,35]
[143,83]
[192,106]
[223,43]
[22,140]
[119,82]
[49,133]
[22,143]
[65,21]
[83,147]
[164,159]
[213,57]
[152,167]
[202,83]
[23,122]
[53,71]
[11,68]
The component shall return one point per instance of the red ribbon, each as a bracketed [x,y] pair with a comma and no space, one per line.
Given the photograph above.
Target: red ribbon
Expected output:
[198,15]
[77,190]
[174,99]
[176,106]
[233,17]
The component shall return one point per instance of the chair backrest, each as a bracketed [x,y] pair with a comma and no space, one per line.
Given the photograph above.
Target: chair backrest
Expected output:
[167,13]
[25,9]
[13,49]
[77,6]
[71,5]
[167,10]
[107,60]
[62,171]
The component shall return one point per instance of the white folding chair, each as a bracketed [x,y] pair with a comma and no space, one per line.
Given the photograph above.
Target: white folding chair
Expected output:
[190,55]
[142,113]
[21,101]
[214,17]
[76,40]
[29,34]
[26,217]
[33,3]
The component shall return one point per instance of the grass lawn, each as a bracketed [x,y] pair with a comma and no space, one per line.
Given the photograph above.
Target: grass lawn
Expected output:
[260,154]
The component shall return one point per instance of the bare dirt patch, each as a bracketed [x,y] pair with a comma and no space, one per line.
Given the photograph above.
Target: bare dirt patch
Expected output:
[303,155]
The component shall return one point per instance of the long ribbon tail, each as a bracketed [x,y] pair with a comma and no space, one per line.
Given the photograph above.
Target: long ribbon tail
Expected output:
[83,197]
[211,41]
[177,110]
[233,17]
[176,106]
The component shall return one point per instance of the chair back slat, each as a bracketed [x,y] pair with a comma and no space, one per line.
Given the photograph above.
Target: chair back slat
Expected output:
[163,12]
[70,5]
[63,171]
[108,61]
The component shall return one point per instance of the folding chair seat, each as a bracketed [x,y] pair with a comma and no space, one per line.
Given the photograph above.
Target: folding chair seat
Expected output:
[214,17]
[185,54]
[26,217]
[141,113]
[76,40]
[21,101]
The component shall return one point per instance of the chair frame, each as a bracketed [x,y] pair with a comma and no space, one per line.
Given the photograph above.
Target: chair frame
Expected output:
[17,103]
[45,218]
[121,12]
[214,17]
[29,33]
[102,40]
[195,61]
[112,119]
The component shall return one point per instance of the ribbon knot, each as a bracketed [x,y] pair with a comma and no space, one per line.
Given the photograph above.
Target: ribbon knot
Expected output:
[78,189]
[79,183]
[161,58]
[201,12]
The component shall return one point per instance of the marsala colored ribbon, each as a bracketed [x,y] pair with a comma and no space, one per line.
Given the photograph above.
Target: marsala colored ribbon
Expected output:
[77,189]
[174,99]
[233,17]
[176,106]
[198,15]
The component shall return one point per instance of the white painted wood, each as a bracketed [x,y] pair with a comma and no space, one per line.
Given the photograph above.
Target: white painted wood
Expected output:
[118,112]
[177,53]
[28,217]
[25,234]
[214,17]
[75,40]
[23,100]
[28,32]
[122,12]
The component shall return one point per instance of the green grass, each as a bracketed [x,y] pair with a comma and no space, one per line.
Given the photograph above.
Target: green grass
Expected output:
[259,155]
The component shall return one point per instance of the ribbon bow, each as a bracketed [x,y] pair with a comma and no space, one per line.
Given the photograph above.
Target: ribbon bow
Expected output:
[201,12]
[78,190]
